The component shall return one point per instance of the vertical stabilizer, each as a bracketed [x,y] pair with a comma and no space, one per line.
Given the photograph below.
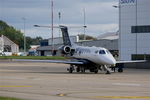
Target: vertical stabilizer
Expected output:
[65,36]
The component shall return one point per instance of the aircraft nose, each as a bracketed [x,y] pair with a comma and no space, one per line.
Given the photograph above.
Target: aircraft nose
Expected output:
[110,61]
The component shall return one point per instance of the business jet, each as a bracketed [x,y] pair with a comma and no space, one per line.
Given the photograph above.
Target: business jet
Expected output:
[84,58]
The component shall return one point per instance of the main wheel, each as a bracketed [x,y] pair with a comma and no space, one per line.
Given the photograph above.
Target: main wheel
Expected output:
[107,72]
[78,69]
[96,71]
[120,70]
[71,69]
[82,69]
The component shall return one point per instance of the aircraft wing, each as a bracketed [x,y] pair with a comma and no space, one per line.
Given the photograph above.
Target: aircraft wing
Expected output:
[133,61]
[51,61]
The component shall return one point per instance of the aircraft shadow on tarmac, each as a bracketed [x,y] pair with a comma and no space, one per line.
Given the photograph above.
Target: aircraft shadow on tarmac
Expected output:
[62,73]
[50,72]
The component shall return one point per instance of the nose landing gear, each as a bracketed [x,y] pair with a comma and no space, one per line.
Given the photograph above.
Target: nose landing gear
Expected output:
[107,69]
[70,69]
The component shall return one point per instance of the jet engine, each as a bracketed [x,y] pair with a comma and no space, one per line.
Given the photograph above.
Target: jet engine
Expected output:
[65,49]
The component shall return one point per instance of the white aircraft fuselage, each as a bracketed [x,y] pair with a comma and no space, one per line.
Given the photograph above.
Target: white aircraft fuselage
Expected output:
[86,58]
[98,55]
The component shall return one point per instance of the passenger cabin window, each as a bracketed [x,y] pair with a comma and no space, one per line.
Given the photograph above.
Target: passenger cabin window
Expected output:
[96,51]
[102,52]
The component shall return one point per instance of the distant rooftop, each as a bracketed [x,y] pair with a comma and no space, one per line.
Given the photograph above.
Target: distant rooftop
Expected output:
[109,36]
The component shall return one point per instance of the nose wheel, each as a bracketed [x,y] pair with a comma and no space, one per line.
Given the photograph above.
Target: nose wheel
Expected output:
[96,71]
[107,69]
[70,69]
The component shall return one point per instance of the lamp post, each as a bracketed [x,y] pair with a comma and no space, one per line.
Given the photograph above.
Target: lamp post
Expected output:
[24,21]
[84,23]
[52,26]
[59,16]
[119,7]
[42,26]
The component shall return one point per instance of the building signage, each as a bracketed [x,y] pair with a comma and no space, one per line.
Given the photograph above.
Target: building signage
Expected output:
[126,2]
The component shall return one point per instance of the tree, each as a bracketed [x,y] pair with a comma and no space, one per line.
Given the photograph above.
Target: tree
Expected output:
[81,37]
[36,41]
[33,41]
[17,36]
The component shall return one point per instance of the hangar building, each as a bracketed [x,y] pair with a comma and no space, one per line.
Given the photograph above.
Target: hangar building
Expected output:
[109,41]
[134,25]
[46,47]
[8,47]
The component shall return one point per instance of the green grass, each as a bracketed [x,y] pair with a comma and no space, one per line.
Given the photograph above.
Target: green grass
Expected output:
[7,98]
[33,57]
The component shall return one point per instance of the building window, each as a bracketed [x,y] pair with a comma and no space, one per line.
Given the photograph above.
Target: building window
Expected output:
[44,43]
[140,29]
[7,48]
[140,56]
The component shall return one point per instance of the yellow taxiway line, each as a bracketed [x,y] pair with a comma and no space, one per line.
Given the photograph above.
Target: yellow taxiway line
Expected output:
[113,97]
[123,97]
[61,95]
[13,86]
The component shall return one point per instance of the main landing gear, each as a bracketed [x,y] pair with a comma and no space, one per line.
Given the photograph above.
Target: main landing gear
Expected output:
[70,69]
[82,69]
[78,69]
[91,69]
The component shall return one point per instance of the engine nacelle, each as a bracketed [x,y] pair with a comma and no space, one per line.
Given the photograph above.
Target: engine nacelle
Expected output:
[65,49]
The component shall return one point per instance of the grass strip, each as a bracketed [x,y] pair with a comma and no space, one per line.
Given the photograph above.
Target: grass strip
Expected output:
[8,98]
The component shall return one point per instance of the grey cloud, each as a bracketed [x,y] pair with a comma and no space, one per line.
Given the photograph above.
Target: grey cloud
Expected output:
[39,12]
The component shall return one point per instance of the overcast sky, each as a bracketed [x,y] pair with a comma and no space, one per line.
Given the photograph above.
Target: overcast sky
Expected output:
[101,17]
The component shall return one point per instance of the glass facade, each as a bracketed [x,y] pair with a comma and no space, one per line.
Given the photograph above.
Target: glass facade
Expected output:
[140,29]
[140,56]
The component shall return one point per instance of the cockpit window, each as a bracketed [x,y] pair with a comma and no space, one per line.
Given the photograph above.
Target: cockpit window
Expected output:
[102,52]
[107,52]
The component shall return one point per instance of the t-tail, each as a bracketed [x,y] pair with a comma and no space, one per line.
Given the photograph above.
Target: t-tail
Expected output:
[65,36]
[67,47]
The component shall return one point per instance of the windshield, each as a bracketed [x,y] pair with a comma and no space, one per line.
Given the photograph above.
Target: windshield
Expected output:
[107,52]
[102,52]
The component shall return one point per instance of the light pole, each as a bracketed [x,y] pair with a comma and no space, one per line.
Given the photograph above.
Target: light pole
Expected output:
[119,44]
[24,21]
[84,23]
[59,16]
[52,16]
[52,27]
